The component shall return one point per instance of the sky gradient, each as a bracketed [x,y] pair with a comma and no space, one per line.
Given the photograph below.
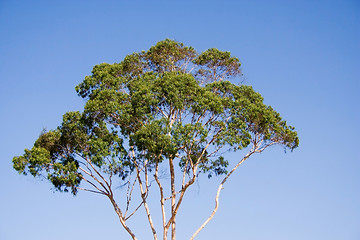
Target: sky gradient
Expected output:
[302,56]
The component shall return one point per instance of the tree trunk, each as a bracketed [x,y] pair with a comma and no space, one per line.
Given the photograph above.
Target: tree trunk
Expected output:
[173,198]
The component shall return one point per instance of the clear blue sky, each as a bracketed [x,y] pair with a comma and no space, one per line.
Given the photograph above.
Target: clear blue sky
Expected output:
[302,56]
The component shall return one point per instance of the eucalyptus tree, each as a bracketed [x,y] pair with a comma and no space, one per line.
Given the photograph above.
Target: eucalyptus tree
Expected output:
[169,107]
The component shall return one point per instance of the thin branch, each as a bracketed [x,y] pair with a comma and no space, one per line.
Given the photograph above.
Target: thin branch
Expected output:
[97,172]
[143,196]
[91,183]
[121,218]
[182,193]
[136,209]
[89,190]
[161,111]
[218,192]
[129,195]
[162,200]
[184,174]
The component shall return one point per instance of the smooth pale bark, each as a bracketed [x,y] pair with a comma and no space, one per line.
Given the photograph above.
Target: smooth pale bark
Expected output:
[143,196]
[218,194]
[122,220]
[173,199]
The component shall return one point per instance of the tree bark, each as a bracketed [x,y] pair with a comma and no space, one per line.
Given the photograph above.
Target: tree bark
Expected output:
[218,194]
[122,220]
[173,199]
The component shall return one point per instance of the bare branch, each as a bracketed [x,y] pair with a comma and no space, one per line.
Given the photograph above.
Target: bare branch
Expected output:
[121,218]
[184,174]
[143,196]
[162,200]
[89,190]
[136,209]
[91,183]
[128,195]
[252,151]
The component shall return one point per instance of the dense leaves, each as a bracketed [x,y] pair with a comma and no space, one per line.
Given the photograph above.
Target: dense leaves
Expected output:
[166,103]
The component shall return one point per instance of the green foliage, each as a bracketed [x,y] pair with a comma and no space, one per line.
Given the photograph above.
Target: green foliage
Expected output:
[217,64]
[166,103]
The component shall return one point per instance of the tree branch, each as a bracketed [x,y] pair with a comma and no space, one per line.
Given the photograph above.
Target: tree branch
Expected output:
[143,196]
[218,192]
[162,200]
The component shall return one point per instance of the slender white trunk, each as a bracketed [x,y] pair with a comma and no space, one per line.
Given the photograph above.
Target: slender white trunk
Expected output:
[173,199]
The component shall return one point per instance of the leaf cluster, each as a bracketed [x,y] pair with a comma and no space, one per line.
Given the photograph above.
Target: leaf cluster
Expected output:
[165,103]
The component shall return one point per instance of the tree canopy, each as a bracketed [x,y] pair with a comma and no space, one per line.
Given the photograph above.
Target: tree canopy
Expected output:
[169,106]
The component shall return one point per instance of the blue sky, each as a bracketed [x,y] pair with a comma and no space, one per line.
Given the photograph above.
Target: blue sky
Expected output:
[302,56]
